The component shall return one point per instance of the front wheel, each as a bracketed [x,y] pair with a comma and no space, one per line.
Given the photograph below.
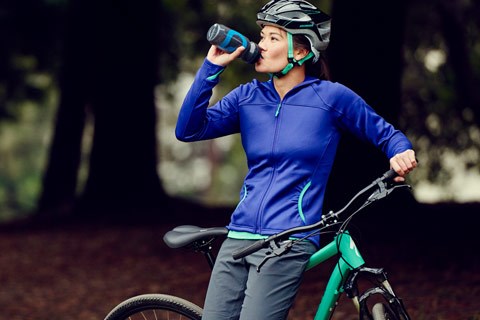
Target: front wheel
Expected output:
[155,306]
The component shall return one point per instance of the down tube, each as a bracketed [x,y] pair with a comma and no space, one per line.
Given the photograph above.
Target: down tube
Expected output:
[349,253]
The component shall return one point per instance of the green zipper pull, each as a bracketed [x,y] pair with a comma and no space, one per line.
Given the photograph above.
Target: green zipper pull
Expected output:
[278,109]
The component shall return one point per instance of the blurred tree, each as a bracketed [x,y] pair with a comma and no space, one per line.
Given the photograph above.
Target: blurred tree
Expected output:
[110,70]
[29,44]
[440,90]
[30,31]
[417,64]
[366,55]
[111,67]
[112,54]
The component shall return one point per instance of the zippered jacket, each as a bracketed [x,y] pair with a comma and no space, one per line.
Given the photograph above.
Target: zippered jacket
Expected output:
[290,143]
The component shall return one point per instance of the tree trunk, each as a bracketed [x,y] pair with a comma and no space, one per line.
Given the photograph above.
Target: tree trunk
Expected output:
[123,177]
[112,67]
[60,179]
[366,55]
[454,31]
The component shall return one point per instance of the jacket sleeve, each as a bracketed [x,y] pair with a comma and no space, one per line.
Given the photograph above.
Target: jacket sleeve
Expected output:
[360,119]
[196,121]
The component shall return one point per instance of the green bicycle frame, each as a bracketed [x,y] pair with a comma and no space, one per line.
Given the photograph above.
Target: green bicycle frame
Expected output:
[349,259]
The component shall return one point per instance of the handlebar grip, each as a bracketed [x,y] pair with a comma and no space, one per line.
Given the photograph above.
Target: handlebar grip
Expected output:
[243,252]
[390,174]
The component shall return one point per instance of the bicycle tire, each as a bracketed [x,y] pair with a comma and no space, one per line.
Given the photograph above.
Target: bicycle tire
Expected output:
[155,306]
[382,312]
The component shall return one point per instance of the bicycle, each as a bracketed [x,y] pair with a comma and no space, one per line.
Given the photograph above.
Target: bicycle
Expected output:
[350,266]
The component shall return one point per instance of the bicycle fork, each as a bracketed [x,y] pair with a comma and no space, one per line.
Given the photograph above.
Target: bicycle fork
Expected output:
[382,288]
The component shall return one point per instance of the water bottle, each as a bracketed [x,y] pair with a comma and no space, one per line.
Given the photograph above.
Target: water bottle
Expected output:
[229,40]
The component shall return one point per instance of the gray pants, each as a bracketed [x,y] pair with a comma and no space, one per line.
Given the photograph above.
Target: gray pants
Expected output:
[237,291]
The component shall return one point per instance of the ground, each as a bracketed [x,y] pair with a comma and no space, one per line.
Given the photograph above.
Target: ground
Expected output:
[81,271]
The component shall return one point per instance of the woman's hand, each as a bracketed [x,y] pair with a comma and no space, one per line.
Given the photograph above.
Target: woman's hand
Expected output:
[221,58]
[403,163]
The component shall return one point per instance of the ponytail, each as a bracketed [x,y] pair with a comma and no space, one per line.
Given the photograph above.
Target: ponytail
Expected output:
[318,69]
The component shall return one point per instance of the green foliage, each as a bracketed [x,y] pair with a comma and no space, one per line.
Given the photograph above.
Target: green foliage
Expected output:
[23,147]
[29,60]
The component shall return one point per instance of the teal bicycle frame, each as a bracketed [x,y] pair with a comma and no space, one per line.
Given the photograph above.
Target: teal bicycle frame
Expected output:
[350,258]
[349,267]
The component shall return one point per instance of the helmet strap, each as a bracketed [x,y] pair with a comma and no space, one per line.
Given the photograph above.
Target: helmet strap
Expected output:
[292,62]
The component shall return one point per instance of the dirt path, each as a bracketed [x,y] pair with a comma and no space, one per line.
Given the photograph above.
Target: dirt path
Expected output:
[82,272]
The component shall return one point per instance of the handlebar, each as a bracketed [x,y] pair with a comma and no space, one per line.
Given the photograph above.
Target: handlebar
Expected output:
[254,247]
[390,174]
[382,190]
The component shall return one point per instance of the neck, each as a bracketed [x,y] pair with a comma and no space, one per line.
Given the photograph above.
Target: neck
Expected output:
[286,83]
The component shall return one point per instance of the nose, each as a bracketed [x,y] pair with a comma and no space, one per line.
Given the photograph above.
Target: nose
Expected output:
[261,46]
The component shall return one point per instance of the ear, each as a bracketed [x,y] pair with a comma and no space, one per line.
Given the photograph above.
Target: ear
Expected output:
[300,53]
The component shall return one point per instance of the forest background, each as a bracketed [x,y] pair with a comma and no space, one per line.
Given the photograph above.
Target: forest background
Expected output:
[90,91]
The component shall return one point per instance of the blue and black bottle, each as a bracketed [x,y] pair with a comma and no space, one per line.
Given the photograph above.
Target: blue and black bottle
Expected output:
[229,40]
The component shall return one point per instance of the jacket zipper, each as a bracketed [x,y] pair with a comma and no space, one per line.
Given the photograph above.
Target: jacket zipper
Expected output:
[278,109]
[259,222]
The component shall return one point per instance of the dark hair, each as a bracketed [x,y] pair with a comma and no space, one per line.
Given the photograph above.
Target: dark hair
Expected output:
[318,69]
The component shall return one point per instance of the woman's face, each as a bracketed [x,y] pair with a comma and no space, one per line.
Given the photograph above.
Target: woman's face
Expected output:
[274,50]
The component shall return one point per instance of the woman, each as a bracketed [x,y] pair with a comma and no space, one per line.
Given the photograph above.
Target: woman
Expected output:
[290,128]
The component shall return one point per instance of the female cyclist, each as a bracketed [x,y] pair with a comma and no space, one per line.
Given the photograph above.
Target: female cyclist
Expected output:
[290,127]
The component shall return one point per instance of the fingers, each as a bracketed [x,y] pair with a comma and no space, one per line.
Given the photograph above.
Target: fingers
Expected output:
[237,53]
[403,163]
[222,58]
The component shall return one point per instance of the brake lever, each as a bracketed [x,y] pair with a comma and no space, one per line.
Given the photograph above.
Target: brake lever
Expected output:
[276,251]
[384,189]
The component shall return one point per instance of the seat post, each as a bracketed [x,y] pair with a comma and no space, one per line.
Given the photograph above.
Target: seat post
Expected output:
[210,257]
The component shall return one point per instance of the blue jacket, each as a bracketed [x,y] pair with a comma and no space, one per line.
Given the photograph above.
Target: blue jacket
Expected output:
[290,144]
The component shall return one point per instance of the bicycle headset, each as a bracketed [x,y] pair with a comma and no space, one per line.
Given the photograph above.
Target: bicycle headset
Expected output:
[297,17]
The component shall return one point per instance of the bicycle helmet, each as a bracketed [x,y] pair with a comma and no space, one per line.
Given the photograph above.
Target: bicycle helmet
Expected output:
[298,17]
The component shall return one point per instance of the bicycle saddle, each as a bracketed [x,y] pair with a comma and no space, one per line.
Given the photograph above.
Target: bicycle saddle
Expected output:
[184,235]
